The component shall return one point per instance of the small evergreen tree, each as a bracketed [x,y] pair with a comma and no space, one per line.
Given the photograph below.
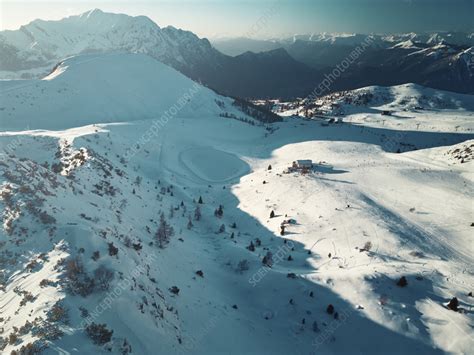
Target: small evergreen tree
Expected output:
[200,200]
[219,212]
[99,333]
[268,259]
[197,213]
[402,282]
[164,233]
[330,309]
[251,246]
[453,304]
[190,223]
[113,250]
[315,327]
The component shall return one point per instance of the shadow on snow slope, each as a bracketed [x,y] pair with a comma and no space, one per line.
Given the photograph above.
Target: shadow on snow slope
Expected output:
[280,329]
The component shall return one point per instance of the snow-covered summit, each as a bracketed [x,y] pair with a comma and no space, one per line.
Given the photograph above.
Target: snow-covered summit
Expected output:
[40,44]
[385,40]
[101,88]
[408,44]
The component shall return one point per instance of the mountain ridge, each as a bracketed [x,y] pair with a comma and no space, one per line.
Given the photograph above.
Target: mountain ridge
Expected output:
[33,50]
[40,44]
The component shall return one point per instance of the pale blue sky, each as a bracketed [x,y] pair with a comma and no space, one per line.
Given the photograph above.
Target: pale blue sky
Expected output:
[264,18]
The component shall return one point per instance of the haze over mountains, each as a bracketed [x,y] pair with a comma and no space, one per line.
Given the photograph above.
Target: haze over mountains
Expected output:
[286,68]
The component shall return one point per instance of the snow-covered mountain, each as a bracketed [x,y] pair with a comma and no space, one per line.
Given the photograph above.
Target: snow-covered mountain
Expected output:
[406,97]
[136,218]
[443,61]
[111,87]
[99,89]
[34,49]
[407,106]
[454,38]
[431,61]
[235,46]
[41,44]
[287,68]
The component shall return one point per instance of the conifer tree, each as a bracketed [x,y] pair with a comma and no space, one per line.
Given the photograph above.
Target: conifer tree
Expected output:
[164,233]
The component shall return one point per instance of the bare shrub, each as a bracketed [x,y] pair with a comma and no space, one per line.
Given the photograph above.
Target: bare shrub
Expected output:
[367,246]
[45,218]
[12,338]
[30,349]
[103,277]
[58,313]
[243,265]
[113,250]
[95,255]
[78,282]
[99,333]
[174,290]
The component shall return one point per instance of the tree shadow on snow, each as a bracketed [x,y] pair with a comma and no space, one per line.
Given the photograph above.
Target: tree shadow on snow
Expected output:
[292,307]
[401,301]
[418,238]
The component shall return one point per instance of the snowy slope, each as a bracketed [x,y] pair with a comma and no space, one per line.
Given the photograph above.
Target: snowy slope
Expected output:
[82,188]
[404,107]
[103,88]
[405,97]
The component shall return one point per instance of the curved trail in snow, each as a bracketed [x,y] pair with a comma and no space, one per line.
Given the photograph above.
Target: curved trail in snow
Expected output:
[212,165]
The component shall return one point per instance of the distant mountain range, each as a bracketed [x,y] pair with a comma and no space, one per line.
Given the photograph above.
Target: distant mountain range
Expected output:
[324,49]
[438,60]
[286,68]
